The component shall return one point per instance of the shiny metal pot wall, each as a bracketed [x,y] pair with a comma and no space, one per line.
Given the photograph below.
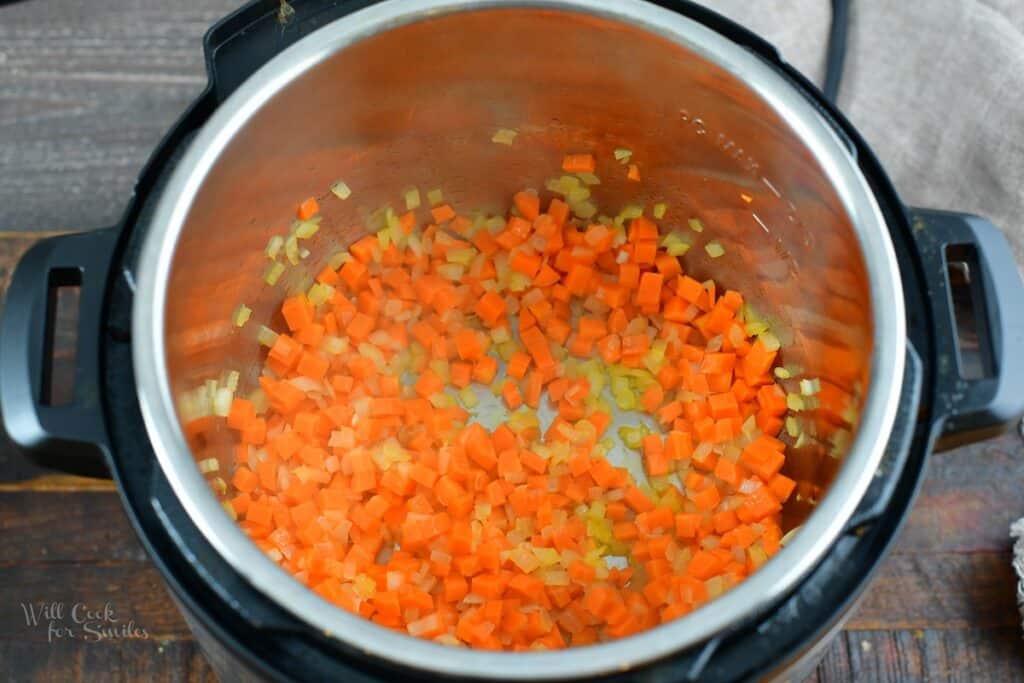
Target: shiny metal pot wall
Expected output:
[409,93]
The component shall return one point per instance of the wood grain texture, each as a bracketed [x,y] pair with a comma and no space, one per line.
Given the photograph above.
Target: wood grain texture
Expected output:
[156,661]
[969,499]
[952,591]
[87,89]
[66,527]
[962,656]
[134,591]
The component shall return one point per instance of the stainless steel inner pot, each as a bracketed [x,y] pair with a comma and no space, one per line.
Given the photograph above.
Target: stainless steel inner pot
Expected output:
[409,92]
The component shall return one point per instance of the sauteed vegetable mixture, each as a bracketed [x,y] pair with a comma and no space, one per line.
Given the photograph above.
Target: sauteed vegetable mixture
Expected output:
[429,447]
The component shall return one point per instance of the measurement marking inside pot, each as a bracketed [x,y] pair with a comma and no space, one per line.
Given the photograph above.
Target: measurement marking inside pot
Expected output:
[771,187]
[760,222]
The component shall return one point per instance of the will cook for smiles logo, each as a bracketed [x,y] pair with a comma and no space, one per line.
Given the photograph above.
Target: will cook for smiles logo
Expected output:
[79,621]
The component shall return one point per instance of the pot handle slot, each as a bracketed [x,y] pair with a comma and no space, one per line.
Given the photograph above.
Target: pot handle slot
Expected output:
[977,297]
[50,352]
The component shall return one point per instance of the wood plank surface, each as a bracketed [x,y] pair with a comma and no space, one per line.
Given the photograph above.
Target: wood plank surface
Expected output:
[156,661]
[87,88]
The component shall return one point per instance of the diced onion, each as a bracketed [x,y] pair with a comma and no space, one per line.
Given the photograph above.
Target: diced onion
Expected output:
[431,622]
[339,259]
[266,336]
[500,335]
[306,229]
[674,244]
[462,257]
[274,273]
[809,387]
[770,341]
[622,154]
[334,345]
[504,136]
[341,190]
[628,212]
[749,486]
[695,225]
[714,249]
[274,246]
[794,402]
[307,384]
[222,401]
[320,293]
[291,249]
[584,209]
[208,465]
[659,210]
[755,329]
[702,450]
[468,397]
[412,199]
[241,315]
[451,271]
[633,436]
[435,196]
[577,195]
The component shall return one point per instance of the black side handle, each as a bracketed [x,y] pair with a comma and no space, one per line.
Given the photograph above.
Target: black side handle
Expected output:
[977,297]
[878,498]
[243,41]
[65,435]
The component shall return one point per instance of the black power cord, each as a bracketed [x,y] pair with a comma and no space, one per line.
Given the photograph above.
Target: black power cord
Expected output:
[836,54]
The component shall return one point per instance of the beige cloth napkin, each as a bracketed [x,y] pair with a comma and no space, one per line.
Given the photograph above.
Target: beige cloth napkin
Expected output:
[937,89]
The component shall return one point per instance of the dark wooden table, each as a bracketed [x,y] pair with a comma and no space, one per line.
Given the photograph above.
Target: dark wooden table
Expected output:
[86,89]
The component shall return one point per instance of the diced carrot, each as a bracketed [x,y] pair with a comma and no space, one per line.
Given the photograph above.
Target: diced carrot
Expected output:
[490,308]
[764,457]
[442,213]
[240,414]
[359,472]
[578,163]
[245,480]
[513,397]
[485,369]
[312,365]
[781,487]
[308,209]
[518,364]
[468,345]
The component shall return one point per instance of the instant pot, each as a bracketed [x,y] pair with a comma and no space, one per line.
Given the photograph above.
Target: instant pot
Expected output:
[914,312]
